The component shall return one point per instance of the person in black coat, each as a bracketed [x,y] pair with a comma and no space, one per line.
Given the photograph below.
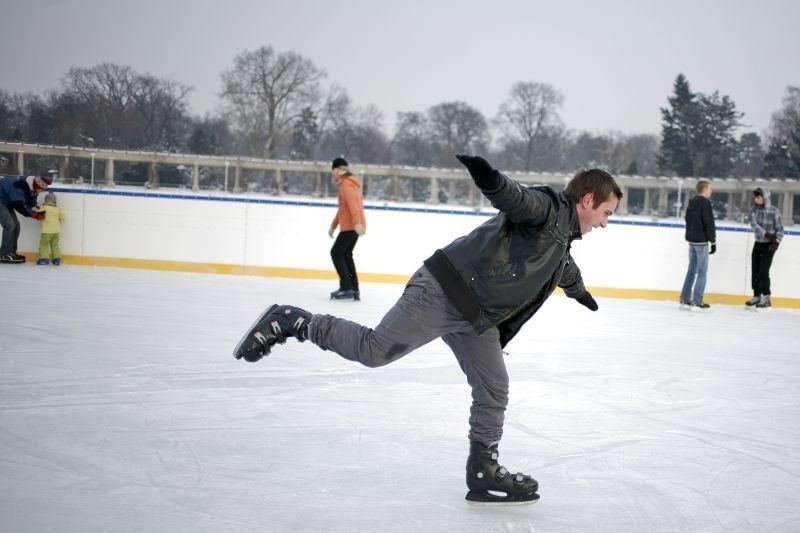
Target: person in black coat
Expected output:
[701,234]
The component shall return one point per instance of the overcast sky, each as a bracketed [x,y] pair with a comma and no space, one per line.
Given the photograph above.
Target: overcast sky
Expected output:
[614,61]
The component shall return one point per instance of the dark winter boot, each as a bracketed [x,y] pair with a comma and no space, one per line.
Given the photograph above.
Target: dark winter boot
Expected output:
[753,301]
[489,482]
[274,326]
[11,259]
[764,302]
[345,294]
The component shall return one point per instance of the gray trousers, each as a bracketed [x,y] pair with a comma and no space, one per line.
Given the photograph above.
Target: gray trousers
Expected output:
[423,313]
[10,224]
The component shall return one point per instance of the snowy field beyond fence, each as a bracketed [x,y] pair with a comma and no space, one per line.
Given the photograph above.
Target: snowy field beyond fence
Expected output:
[121,409]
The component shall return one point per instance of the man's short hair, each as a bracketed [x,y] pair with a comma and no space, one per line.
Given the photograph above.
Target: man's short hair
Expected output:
[702,185]
[595,181]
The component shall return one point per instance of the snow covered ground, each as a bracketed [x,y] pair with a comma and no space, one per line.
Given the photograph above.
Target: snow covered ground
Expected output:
[123,410]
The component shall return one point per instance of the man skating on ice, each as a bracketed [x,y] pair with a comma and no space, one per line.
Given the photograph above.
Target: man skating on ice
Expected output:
[475,294]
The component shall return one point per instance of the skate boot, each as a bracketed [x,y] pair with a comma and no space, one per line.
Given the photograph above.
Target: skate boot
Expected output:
[11,258]
[274,326]
[764,302]
[490,483]
[345,294]
[753,301]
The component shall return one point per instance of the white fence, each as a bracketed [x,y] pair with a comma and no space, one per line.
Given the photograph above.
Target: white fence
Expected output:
[258,234]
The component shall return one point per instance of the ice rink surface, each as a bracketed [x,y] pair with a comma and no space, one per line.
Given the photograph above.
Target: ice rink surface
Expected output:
[123,410]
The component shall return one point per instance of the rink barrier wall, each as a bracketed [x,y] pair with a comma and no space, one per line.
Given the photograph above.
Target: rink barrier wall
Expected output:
[254,234]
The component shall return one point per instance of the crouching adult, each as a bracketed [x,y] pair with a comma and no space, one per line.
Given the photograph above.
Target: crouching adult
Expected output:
[17,195]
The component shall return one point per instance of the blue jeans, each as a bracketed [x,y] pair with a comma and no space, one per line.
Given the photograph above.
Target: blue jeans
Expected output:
[696,275]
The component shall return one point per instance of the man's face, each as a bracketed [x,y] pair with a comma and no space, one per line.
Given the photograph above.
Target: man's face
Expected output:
[591,217]
[758,199]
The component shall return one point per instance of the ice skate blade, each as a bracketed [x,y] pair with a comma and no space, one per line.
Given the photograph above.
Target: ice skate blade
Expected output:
[488,498]
[238,352]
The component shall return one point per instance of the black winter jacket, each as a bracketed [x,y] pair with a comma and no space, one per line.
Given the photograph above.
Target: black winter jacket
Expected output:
[699,217]
[502,272]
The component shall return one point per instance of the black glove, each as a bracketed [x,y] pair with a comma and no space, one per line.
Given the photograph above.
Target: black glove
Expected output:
[588,301]
[481,171]
[713,248]
[772,238]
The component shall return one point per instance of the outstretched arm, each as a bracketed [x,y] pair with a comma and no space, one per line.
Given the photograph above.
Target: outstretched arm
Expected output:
[519,203]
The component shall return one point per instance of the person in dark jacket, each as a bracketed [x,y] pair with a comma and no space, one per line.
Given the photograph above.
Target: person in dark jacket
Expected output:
[701,234]
[475,294]
[17,195]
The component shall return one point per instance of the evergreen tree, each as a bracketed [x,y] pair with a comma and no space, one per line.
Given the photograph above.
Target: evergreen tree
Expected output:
[678,123]
[783,155]
[778,162]
[714,144]
[794,151]
[305,135]
[632,169]
[697,133]
[749,157]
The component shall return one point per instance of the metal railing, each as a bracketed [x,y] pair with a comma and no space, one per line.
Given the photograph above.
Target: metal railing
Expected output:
[658,196]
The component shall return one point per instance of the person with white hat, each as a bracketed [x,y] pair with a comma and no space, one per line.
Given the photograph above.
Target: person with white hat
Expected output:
[17,195]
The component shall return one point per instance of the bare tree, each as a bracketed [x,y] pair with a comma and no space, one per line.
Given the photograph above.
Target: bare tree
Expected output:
[103,97]
[161,105]
[412,141]
[528,114]
[371,143]
[639,154]
[338,121]
[16,122]
[267,91]
[456,127]
[352,131]
[112,105]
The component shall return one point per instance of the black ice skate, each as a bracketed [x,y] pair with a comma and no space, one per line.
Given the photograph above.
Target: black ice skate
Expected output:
[346,294]
[274,326]
[491,483]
